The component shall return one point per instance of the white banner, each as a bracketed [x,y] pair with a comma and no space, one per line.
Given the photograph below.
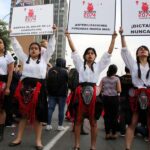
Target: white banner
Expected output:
[92,16]
[32,20]
[136,17]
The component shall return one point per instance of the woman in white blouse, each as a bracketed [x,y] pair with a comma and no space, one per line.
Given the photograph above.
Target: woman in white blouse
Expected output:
[31,92]
[6,72]
[89,72]
[140,96]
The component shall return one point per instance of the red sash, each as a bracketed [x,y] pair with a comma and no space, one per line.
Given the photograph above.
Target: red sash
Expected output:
[134,104]
[28,110]
[2,93]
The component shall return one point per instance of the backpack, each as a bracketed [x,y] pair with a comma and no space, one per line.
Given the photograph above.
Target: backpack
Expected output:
[73,79]
[53,80]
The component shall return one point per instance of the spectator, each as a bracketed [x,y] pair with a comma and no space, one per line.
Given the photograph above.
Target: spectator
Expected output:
[57,79]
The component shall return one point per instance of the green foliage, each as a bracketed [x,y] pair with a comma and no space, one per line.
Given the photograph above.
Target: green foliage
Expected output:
[4,33]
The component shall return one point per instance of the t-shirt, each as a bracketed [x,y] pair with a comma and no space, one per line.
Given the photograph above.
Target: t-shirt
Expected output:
[126,84]
[110,86]
[4,61]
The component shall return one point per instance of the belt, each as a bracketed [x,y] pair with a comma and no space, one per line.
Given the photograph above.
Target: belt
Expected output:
[87,84]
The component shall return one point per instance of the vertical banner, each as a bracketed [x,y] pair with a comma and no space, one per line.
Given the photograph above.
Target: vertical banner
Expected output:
[135,17]
[32,20]
[92,16]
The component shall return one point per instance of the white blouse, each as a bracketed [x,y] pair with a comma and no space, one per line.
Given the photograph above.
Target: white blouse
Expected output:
[4,61]
[132,65]
[88,75]
[33,69]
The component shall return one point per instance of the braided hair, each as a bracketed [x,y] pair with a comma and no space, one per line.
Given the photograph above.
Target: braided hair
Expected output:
[138,61]
[84,55]
[5,46]
[38,60]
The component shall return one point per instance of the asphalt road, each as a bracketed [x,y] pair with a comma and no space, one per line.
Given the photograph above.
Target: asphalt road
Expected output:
[64,140]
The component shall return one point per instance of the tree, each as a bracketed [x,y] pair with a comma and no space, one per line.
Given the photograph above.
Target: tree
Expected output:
[4,33]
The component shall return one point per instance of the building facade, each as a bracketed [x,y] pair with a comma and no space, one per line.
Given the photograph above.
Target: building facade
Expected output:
[60,19]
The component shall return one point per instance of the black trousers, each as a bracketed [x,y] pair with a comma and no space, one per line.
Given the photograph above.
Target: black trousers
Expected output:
[111,107]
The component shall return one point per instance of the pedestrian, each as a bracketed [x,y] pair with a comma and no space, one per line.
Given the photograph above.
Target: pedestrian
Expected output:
[6,73]
[111,88]
[31,90]
[10,101]
[89,72]
[124,111]
[140,96]
[57,87]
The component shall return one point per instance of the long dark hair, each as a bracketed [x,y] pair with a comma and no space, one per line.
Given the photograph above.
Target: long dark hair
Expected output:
[38,60]
[112,70]
[138,61]
[84,55]
[5,46]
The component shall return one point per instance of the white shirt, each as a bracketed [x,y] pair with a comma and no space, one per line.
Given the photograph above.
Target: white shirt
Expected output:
[4,61]
[33,69]
[132,65]
[88,75]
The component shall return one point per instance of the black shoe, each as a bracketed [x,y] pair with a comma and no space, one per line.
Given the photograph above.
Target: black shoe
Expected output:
[84,133]
[38,147]
[14,144]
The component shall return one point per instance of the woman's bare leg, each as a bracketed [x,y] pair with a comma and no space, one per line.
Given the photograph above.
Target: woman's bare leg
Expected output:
[93,135]
[21,128]
[130,131]
[38,133]
[77,134]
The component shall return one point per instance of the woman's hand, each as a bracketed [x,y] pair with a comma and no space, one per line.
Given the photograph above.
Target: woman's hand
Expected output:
[121,31]
[54,28]
[114,35]
[7,91]
[123,42]
[67,34]
[70,41]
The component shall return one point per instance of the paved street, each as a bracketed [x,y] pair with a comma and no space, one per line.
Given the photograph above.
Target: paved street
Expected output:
[54,140]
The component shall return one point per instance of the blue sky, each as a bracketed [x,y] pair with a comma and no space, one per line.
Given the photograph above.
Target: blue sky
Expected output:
[4,9]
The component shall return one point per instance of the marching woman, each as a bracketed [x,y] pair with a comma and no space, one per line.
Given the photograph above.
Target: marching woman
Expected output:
[140,96]
[89,72]
[6,72]
[31,91]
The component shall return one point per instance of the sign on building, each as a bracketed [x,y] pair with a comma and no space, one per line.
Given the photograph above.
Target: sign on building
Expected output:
[32,20]
[136,17]
[92,16]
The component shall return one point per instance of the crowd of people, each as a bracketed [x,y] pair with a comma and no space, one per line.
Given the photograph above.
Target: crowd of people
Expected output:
[35,90]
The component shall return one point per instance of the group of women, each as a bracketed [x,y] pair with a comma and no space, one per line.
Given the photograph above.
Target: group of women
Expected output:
[31,96]
[86,95]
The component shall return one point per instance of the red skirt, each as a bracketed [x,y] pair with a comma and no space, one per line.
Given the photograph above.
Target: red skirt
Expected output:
[83,109]
[2,94]
[28,109]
